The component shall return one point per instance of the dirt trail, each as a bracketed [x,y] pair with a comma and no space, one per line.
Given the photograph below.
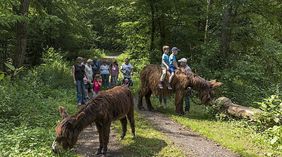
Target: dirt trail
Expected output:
[188,141]
[88,144]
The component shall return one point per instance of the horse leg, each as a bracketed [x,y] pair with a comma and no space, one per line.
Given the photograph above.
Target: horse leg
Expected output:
[101,140]
[179,102]
[130,117]
[148,101]
[140,99]
[124,126]
[106,130]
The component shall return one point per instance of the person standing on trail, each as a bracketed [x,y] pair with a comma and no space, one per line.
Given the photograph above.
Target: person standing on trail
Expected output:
[114,71]
[89,76]
[105,73]
[172,65]
[127,70]
[95,66]
[186,69]
[78,73]
[164,65]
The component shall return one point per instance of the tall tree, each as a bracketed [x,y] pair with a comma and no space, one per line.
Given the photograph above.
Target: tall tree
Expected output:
[21,33]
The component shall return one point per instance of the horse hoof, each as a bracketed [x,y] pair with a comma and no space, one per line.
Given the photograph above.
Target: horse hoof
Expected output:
[141,108]
[122,137]
[99,151]
[104,151]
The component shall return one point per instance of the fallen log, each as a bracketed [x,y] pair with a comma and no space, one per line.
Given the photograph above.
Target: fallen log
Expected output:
[236,110]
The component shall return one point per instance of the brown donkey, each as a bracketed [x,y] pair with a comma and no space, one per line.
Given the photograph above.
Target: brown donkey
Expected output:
[150,76]
[113,104]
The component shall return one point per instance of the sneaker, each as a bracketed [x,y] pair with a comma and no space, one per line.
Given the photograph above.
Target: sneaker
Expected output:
[169,87]
[78,104]
[160,85]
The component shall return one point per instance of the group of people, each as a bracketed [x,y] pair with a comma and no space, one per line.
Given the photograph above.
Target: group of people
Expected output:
[90,76]
[169,63]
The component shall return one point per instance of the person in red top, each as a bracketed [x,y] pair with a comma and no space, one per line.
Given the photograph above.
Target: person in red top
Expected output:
[97,83]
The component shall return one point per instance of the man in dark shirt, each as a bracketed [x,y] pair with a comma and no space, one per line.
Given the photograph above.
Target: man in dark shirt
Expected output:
[78,73]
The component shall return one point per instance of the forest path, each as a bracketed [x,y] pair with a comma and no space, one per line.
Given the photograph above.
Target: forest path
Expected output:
[191,143]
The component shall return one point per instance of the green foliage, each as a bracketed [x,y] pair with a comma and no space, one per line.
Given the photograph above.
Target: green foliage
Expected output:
[29,108]
[53,72]
[270,120]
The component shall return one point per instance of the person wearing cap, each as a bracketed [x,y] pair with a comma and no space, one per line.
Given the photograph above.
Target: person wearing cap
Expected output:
[172,65]
[164,65]
[186,69]
[127,70]
[183,65]
[78,73]
[89,77]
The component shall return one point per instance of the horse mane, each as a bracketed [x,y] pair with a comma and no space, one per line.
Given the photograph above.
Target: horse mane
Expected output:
[102,102]
[197,82]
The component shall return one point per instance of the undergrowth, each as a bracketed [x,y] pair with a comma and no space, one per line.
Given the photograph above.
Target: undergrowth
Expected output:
[29,107]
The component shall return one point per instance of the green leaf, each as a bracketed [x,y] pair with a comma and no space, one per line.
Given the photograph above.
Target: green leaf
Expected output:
[2,75]
[273,140]
[276,120]
[10,66]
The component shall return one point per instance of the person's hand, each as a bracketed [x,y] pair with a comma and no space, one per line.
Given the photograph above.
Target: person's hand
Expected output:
[74,82]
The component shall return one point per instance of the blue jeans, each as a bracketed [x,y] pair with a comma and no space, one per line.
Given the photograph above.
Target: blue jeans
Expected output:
[105,80]
[80,91]
[187,103]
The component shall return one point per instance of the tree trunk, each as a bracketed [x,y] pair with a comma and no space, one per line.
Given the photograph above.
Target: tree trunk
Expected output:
[225,35]
[236,110]
[153,26]
[207,22]
[161,21]
[21,34]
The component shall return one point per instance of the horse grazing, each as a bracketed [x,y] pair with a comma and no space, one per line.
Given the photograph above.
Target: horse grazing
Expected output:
[150,76]
[113,104]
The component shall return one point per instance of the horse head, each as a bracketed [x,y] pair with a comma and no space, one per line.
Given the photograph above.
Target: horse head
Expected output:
[207,93]
[66,131]
[205,88]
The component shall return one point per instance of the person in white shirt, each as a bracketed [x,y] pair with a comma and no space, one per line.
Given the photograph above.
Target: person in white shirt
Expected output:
[127,70]
[105,73]
[89,76]
[186,69]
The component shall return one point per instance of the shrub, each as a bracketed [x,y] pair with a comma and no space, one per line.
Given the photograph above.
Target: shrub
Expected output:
[28,107]
[270,120]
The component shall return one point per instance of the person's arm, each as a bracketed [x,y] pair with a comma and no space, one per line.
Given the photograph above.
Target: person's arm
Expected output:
[117,71]
[73,74]
[111,66]
[175,64]
[164,63]
[131,73]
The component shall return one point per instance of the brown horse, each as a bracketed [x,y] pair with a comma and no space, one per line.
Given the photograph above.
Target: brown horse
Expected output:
[150,76]
[113,104]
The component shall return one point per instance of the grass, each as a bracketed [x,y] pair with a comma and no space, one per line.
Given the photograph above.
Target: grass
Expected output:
[148,141]
[34,133]
[237,136]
